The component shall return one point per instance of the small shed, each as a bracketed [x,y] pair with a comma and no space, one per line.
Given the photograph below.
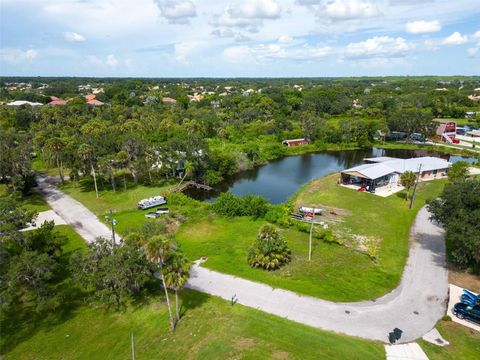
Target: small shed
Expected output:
[295,142]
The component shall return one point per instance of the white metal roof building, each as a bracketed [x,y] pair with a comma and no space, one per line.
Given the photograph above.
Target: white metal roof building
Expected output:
[385,165]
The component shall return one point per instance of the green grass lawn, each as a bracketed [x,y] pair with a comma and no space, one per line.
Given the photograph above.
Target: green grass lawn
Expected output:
[464,343]
[34,201]
[210,329]
[335,273]
[109,200]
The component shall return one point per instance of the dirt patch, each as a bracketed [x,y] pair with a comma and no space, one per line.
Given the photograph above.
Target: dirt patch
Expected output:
[242,343]
[463,279]
[280,355]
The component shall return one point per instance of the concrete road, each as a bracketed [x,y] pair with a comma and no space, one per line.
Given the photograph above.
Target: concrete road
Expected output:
[414,307]
[82,220]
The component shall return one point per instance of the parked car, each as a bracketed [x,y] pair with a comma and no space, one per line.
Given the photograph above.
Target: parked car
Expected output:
[465,311]
[161,211]
[152,215]
[470,298]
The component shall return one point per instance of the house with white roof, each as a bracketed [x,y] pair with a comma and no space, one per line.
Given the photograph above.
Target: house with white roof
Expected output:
[385,171]
[24,102]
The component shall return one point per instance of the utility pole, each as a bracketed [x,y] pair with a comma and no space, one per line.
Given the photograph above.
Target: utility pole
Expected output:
[415,187]
[113,222]
[310,239]
[133,348]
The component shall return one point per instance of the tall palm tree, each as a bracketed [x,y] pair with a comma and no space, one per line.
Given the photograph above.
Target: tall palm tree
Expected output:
[158,250]
[176,276]
[86,155]
[187,171]
[56,145]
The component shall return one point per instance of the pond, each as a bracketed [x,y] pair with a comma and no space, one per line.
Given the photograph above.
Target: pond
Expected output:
[279,179]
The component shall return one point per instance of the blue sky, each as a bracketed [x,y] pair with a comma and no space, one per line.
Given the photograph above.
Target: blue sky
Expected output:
[268,38]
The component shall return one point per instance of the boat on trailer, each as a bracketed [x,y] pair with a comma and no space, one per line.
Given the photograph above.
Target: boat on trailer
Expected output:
[151,202]
[309,210]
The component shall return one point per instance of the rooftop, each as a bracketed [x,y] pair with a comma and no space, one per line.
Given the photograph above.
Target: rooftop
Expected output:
[385,165]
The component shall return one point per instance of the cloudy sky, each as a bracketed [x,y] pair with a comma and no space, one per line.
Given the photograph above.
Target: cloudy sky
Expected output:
[171,38]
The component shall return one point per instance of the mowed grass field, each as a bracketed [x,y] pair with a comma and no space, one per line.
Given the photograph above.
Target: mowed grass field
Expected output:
[117,201]
[336,272]
[464,343]
[210,329]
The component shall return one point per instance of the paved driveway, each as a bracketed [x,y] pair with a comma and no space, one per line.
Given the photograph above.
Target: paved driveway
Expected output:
[72,212]
[414,306]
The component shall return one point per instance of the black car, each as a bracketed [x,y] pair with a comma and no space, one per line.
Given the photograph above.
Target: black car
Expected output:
[465,311]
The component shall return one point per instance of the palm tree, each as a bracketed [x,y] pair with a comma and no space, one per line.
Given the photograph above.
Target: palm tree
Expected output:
[187,171]
[56,145]
[158,250]
[176,276]
[408,180]
[86,154]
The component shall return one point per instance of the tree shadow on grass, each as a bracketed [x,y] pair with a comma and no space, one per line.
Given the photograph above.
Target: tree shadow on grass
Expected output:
[191,300]
[20,323]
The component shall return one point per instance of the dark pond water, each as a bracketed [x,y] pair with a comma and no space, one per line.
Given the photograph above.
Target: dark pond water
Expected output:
[279,179]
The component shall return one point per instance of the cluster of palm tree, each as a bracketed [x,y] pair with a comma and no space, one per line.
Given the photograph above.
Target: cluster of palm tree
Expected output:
[173,270]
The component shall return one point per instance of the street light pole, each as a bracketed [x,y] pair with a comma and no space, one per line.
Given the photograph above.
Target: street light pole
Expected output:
[113,222]
[310,239]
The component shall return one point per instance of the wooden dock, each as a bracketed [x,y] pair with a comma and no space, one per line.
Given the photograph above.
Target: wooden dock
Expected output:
[188,184]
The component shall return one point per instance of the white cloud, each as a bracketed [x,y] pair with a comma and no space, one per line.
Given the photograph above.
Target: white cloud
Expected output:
[473,51]
[285,39]
[73,36]
[111,60]
[378,47]
[248,14]
[422,27]
[455,39]
[430,45]
[17,56]
[351,9]
[177,12]
[183,50]
[476,35]
[275,51]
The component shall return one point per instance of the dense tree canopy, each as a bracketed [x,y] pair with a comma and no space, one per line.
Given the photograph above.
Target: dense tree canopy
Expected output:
[458,209]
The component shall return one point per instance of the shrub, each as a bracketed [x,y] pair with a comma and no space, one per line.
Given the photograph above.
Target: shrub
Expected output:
[179,199]
[228,204]
[278,214]
[255,206]
[269,251]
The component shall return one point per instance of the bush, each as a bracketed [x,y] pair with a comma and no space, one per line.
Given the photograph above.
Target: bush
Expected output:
[255,206]
[269,251]
[179,199]
[278,214]
[228,204]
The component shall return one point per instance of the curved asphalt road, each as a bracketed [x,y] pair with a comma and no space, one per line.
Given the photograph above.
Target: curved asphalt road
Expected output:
[414,307]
